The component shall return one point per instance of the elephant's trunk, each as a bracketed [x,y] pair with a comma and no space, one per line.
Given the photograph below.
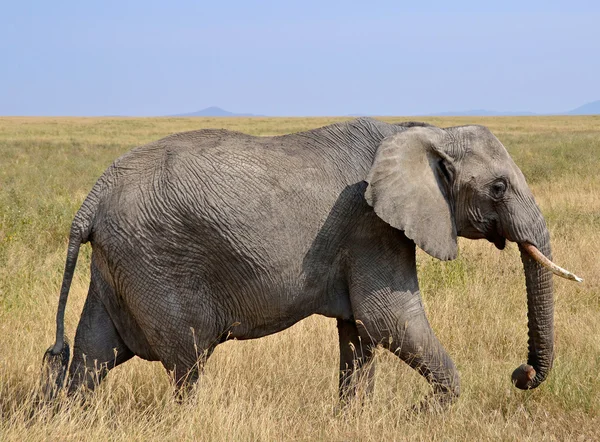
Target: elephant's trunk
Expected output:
[540,315]
[533,238]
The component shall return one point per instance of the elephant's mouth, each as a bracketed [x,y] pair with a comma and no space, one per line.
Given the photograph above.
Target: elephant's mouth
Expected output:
[495,236]
[499,242]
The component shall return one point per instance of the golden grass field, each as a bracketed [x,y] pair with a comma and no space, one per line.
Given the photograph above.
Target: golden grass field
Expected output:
[284,387]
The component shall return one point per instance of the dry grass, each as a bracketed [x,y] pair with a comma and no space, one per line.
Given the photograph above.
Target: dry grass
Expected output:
[284,386]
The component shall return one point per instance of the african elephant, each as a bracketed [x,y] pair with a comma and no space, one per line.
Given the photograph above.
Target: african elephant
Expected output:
[210,235]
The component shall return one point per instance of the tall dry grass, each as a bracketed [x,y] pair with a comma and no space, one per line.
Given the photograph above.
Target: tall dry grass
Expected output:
[285,386]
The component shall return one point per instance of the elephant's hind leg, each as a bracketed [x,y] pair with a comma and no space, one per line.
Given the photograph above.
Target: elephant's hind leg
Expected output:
[357,367]
[98,347]
[187,371]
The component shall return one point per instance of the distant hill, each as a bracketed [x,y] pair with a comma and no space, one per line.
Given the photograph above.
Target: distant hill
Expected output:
[480,113]
[592,108]
[214,111]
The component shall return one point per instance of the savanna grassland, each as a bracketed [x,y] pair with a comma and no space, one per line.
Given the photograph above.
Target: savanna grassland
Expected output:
[285,386]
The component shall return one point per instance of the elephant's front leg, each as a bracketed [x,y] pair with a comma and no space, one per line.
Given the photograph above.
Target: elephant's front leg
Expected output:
[418,346]
[357,367]
[396,320]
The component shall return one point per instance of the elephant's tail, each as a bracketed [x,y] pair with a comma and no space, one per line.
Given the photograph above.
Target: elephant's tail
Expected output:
[75,241]
[56,358]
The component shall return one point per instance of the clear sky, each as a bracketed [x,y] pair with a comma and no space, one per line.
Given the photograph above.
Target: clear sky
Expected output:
[297,58]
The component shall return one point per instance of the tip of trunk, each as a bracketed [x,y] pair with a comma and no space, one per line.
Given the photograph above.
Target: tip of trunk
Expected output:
[524,377]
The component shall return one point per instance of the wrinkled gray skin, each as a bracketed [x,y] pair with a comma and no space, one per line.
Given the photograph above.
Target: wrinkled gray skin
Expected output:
[211,235]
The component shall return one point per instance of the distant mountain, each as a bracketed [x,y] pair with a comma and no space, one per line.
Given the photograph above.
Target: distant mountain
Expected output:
[480,113]
[592,108]
[214,111]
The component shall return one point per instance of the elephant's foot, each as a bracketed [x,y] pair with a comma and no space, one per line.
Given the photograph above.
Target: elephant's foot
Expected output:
[437,401]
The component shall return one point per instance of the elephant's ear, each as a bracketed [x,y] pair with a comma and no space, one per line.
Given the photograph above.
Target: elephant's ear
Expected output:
[408,183]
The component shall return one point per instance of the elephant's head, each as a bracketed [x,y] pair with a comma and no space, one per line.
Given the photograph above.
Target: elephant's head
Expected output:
[436,184]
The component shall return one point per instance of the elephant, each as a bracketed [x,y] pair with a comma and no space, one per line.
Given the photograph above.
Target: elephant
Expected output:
[210,235]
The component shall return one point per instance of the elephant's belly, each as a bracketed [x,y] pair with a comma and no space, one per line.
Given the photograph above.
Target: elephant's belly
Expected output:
[252,329]
[271,313]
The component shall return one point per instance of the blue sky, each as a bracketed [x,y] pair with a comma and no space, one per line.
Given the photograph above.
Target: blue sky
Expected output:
[297,58]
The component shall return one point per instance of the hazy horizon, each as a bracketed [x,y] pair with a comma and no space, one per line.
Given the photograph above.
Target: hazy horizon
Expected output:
[148,58]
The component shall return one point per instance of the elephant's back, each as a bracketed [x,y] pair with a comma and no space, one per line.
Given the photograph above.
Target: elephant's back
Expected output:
[205,194]
[251,193]
[268,190]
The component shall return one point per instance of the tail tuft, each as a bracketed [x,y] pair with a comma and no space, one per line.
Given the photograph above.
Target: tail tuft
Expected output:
[54,369]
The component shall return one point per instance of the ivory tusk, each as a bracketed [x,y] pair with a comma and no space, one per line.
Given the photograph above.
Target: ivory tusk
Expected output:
[541,259]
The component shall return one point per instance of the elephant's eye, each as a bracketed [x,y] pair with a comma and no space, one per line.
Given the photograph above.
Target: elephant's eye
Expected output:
[498,189]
